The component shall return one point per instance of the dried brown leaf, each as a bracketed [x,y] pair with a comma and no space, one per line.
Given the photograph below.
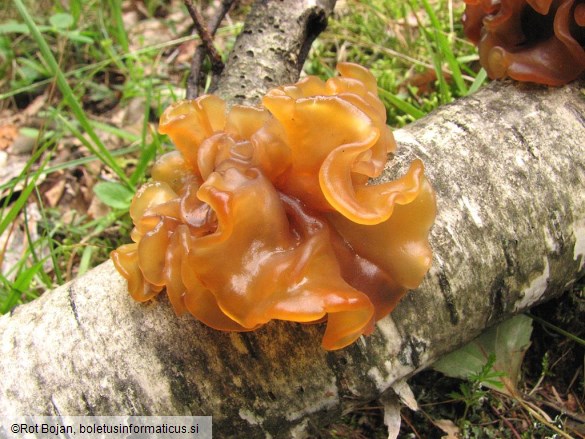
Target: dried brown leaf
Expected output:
[53,195]
[8,134]
[448,427]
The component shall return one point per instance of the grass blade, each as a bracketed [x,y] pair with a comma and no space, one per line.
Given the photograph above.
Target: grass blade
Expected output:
[478,82]
[148,149]
[19,287]
[403,106]
[98,148]
[18,204]
[561,331]
[116,7]
[445,49]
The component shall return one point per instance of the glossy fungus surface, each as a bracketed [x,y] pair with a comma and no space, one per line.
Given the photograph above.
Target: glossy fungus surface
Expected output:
[266,213]
[541,41]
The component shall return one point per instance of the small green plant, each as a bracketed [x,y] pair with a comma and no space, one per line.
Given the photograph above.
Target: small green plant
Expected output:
[473,391]
[19,289]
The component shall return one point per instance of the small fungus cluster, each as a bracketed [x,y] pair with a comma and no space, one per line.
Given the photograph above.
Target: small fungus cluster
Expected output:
[540,41]
[266,213]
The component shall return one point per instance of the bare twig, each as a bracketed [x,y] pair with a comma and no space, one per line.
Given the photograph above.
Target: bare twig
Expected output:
[206,33]
[507,422]
[558,408]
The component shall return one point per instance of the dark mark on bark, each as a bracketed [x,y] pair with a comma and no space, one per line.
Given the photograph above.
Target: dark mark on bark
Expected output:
[411,352]
[445,287]
[523,142]
[245,336]
[463,127]
[499,290]
[88,406]
[72,304]
[510,249]
[577,113]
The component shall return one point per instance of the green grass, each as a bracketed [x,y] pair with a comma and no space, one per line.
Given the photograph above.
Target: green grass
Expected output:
[415,49]
[78,59]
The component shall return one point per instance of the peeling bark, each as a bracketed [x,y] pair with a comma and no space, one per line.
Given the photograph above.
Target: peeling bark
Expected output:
[508,165]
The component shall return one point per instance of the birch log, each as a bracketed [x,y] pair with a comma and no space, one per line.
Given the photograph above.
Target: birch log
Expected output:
[508,165]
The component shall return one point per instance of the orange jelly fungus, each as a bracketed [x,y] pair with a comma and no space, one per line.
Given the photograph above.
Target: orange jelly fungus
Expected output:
[266,213]
[540,41]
